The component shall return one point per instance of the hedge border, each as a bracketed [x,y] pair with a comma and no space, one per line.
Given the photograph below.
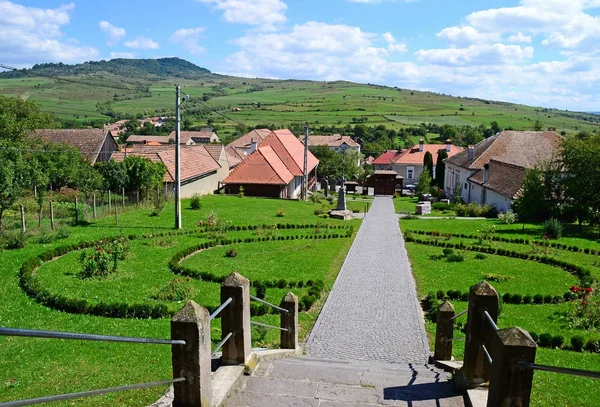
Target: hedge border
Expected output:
[35,290]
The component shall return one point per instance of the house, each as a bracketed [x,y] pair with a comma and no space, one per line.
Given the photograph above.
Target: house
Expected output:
[274,169]
[203,167]
[136,139]
[384,161]
[96,145]
[196,137]
[239,148]
[482,170]
[385,182]
[336,142]
[409,163]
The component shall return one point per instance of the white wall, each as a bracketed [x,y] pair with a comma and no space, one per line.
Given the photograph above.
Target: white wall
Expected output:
[495,199]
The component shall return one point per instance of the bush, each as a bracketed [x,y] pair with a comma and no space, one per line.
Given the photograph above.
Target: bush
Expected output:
[440,206]
[548,299]
[261,290]
[473,210]
[14,240]
[447,252]
[516,299]
[241,192]
[534,336]
[552,229]
[480,256]
[557,341]
[280,212]
[577,343]
[195,202]
[545,340]
[231,252]
[174,290]
[538,299]
[455,258]
[527,299]
[592,346]
[508,217]
[506,298]
[95,263]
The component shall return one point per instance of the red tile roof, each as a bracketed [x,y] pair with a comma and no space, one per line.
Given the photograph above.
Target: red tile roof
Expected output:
[522,148]
[245,141]
[414,156]
[145,139]
[278,159]
[234,156]
[386,157]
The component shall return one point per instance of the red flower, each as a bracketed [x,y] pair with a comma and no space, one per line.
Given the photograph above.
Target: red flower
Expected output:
[588,290]
[574,289]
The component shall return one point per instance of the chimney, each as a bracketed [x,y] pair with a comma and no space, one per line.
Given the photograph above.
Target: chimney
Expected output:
[253,145]
[470,153]
[486,173]
[448,145]
[421,142]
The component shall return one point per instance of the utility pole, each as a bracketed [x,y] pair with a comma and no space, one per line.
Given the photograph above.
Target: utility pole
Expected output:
[177,159]
[305,172]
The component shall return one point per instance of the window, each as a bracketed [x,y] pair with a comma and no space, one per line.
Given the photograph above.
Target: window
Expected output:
[410,172]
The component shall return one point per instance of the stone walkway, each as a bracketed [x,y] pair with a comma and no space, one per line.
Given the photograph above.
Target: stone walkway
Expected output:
[372,312]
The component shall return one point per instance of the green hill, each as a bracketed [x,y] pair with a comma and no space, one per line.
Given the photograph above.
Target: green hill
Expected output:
[127,88]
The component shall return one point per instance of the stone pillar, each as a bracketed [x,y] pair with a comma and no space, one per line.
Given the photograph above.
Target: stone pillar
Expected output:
[444,332]
[476,370]
[51,215]
[23,223]
[289,321]
[341,203]
[511,385]
[192,360]
[235,318]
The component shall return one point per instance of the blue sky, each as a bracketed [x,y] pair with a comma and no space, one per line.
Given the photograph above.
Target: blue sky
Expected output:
[536,52]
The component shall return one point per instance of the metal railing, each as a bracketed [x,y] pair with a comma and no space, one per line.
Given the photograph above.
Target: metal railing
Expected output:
[34,333]
[268,303]
[460,314]
[221,308]
[490,320]
[220,345]
[268,326]
[563,370]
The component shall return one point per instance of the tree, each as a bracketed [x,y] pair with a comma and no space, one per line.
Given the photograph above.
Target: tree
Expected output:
[424,186]
[440,168]
[456,197]
[538,125]
[143,174]
[114,175]
[495,127]
[428,164]
[581,164]
[530,205]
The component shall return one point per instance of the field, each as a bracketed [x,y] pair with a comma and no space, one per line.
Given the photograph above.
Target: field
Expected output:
[287,102]
[497,259]
[37,367]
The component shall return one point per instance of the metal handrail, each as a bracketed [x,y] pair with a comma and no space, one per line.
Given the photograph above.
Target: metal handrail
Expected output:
[59,397]
[487,354]
[221,308]
[563,370]
[460,314]
[268,303]
[268,326]
[35,333]
[490,320]
[220,345]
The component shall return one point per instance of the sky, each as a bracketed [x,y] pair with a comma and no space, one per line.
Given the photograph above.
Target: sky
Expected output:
[536,52]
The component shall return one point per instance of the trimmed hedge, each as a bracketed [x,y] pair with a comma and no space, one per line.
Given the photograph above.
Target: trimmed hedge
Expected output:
[584,275]
[30,284]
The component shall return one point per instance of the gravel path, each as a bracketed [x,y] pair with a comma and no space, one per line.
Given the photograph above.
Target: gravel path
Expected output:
[372,312]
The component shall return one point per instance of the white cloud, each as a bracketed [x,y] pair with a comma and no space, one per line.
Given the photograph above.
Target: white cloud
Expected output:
[465,36]
[114,33]
[519,37]
[476,55]
[264,13]
[393,45]
[188,38]
[29,35]
[126,55]
[142,43]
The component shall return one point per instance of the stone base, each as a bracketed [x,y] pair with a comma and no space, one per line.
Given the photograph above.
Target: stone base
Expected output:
[344,215]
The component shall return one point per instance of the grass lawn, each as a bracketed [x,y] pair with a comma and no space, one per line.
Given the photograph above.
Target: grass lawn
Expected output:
[407,204]
[525,278]
[33,367]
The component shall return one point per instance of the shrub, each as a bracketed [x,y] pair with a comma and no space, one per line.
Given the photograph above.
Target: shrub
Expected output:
[545,340]
[516,299]
[447,252]
[175,290]
[96,263]
[527,299]
[507,298]
[480,256]
[440,294]
[261,290]
[355,210]
[508,217]
[330,199]
[455,258]
[231,252]
[14,240]
[557,341]
[429,302]
[195,202]
[280,212]
[577,343]
[496,277]
[538,299]
[282,283]
[547,299]
[534,336]
[592,346]
[440,206]
[552,228]
[464,297]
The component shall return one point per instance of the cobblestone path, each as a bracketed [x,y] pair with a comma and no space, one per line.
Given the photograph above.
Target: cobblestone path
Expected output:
[372,313]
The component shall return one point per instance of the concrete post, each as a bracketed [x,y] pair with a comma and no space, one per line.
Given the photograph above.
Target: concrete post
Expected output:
[235,318]
[511,385]
[23,223]
[94,203]
[476,370]
[51,215]
[444,332]
[76,210]
[192,360]
[289,321]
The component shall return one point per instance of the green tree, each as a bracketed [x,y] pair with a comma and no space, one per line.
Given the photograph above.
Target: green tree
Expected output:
[530,205]
[143,174]
[538,125]
[495,127]
[428,164]
[114,175]
[424,186]
[440,168]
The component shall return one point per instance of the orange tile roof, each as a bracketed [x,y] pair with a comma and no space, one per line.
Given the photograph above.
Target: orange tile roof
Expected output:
[246,140]
[145,139]
[414,156]
[234,156]
[277,160]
